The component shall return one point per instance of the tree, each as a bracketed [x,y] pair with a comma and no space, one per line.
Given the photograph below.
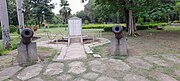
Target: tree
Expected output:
[177,9]
[4,25]
[65,12]
[40,9]
[131,9]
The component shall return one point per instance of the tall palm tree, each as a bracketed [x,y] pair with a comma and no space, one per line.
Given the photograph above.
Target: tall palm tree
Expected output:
[65,12]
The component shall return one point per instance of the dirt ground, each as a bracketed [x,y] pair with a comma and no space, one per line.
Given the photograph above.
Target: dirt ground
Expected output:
[151,42]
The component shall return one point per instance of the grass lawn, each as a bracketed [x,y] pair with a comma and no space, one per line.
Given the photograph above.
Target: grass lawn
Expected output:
[150,42]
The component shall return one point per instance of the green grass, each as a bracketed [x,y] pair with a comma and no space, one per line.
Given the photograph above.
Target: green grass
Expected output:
[14,40]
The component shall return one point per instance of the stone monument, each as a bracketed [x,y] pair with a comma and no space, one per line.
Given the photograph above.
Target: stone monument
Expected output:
[27,50]
[74,29]
[118,43]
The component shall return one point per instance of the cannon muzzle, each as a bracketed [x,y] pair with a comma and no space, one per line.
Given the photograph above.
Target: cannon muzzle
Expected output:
[26,35]
[117,30]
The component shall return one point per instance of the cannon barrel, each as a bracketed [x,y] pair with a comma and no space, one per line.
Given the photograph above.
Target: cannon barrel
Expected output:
[26,35]
[117,30]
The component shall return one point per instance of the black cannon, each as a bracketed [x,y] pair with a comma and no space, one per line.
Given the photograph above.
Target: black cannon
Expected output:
[117,30]
[26,35]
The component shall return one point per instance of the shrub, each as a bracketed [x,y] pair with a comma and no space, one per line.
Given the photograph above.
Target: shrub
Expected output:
[58,25]
[0,33]
[12,28]
[176,21]
[163,24]
[110,28]
[99,26]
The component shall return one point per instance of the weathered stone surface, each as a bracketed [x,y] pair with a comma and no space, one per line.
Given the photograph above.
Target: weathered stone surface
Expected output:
[5,61]
[177,72]
[76,67]
[27,56]
[30,72]
[9,72]
[131,77]
[97,66]
[157,61]
[97,55]
[139,63]
[173,58]
[119,49]
[117,65]
[80,79]
[163,77]
[64,77]
[36,79]
[104,78]
[54,69]
[88,49]
[91,75]
[73,52]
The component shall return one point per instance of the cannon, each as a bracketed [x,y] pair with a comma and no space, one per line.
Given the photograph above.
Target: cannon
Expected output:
[117,30]
[26,35]
[118,43]
[27,50]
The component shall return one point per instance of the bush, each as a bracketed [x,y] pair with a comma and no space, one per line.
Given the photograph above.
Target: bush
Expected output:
[99,26]
[176,21]
[57,25]
[0,33]
[110,28]
[12,28]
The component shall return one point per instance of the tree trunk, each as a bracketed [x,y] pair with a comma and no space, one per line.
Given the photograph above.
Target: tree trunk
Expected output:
[118,21]
[127,19]
[4,25]
[132,24]
[20,14]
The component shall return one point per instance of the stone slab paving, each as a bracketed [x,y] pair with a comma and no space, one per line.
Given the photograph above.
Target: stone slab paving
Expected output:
[132,77]
[88,49]
[105,78]
[163,77]
[64,77]
[91,75]
[80,79]
[36,79]
[77,67]
[157,61]
[177,72]
[139,63]
[73,52]
[30,72]
[9,72]
[97,66]
[54,69]
[118,65]
[171,57]
[94,69]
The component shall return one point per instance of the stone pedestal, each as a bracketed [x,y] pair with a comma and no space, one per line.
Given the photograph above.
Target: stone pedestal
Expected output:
[27,53]
[119,49]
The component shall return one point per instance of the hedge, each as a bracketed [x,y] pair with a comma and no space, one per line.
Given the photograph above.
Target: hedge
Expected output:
[56,26]
[99,26]
[140,27]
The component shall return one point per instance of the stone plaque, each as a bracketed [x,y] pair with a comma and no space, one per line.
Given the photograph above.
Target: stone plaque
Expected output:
[75,26]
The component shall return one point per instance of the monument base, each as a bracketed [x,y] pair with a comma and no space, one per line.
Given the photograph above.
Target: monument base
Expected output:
[119,49]
[27,53]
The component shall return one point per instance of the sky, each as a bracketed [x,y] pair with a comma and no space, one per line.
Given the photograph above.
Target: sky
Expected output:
[75,6]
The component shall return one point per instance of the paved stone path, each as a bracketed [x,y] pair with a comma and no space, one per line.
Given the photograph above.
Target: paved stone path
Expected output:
[99,69]
[73,52]
[133,68]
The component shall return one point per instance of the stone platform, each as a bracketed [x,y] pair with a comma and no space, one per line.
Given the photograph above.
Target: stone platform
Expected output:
[73,52]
